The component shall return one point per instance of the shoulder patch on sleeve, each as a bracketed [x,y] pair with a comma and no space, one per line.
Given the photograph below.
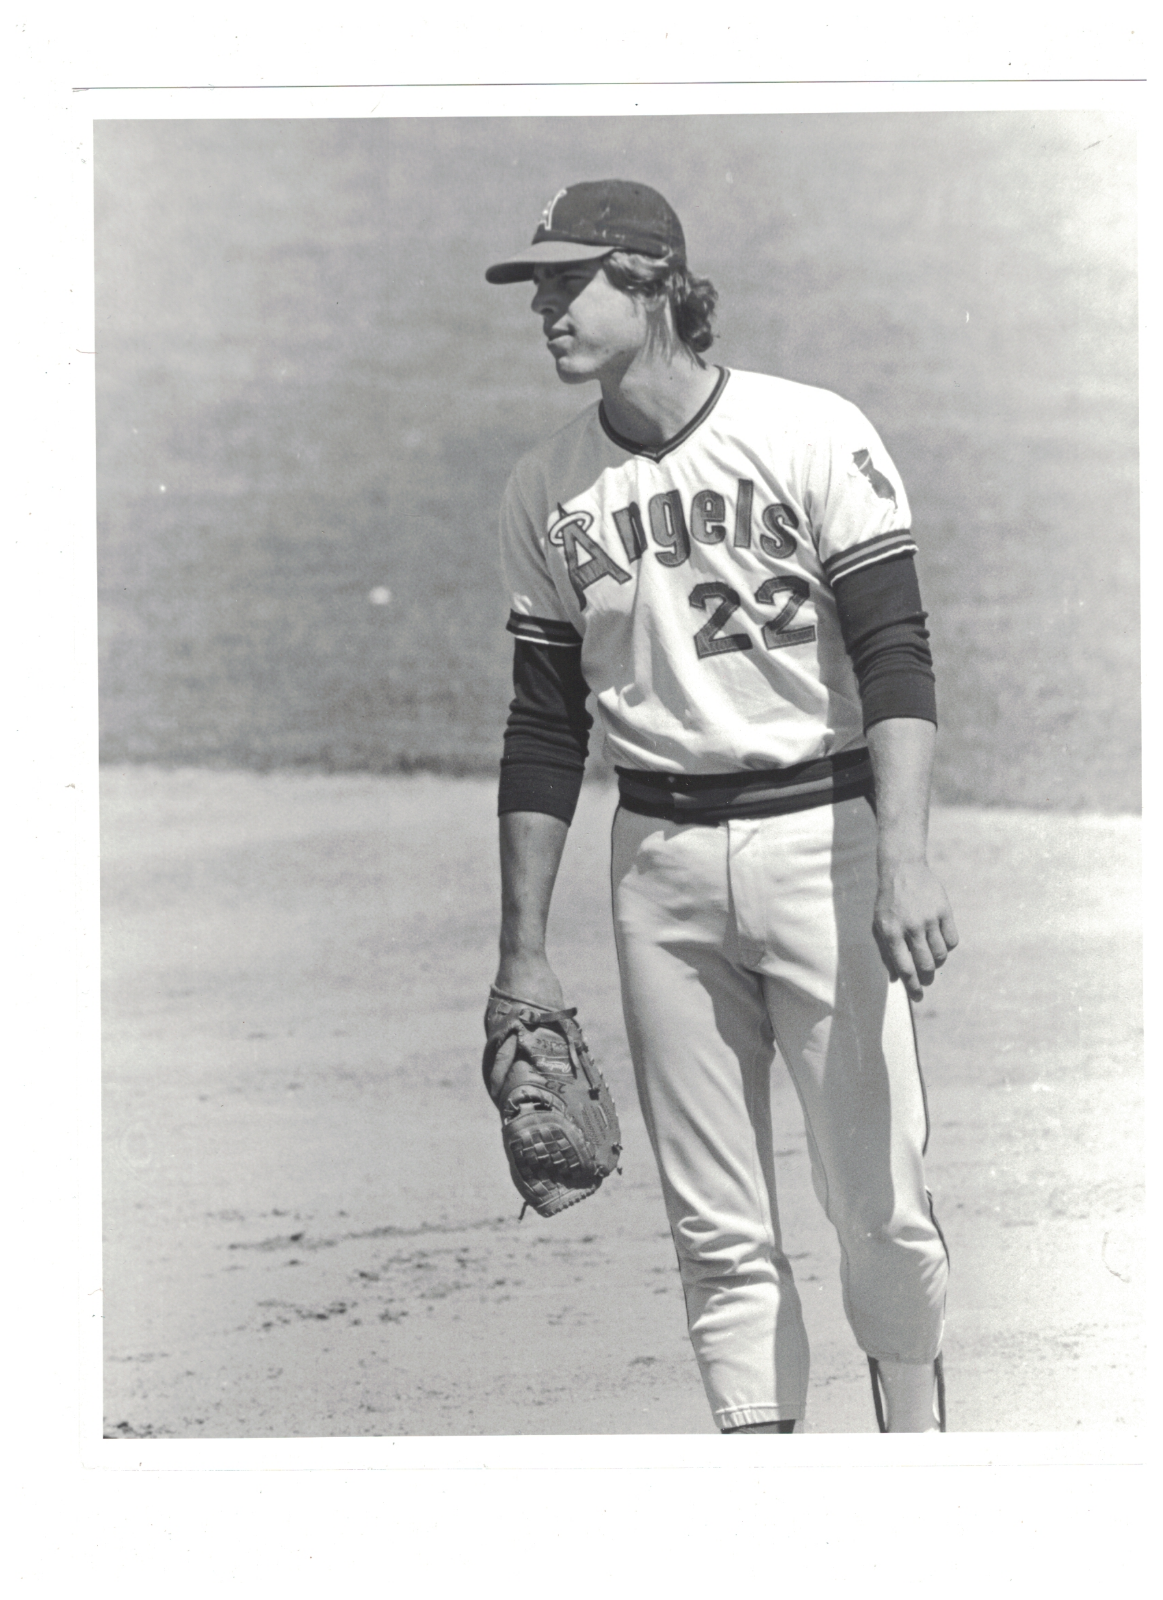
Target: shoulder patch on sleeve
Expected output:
[880,485]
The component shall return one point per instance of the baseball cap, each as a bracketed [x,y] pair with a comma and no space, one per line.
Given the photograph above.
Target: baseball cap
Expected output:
[591,219]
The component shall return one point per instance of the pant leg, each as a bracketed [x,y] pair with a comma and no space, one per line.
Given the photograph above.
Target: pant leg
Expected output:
[701,1042]
[804,888]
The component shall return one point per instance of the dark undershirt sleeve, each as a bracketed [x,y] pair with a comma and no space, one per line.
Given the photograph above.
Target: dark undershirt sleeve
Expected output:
[548,732]
[883,624]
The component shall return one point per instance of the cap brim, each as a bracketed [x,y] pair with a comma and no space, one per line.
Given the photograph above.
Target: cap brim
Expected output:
[550,252]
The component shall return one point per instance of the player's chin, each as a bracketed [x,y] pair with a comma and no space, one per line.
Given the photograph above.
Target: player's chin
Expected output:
[571,370]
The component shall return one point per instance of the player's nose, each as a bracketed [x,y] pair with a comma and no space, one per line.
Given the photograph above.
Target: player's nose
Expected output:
[543,298]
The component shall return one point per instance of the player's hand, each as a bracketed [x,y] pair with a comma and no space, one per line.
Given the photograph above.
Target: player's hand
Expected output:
[913,924]
[530,977]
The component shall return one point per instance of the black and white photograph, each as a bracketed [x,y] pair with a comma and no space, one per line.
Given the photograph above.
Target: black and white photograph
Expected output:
[574,703]
[620,789]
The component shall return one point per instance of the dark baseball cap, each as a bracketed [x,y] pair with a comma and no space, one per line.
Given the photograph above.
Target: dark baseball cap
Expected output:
[591,219]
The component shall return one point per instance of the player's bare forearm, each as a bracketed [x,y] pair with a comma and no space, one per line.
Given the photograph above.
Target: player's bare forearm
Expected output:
[531,846]
[913,921]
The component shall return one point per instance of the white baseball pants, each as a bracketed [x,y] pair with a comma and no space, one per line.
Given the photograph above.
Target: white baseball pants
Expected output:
[730,938]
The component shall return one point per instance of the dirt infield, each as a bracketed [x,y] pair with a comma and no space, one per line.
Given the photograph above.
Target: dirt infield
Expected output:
[309,1226]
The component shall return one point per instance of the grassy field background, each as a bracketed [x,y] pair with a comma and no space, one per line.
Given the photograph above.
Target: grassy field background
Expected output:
[306,391]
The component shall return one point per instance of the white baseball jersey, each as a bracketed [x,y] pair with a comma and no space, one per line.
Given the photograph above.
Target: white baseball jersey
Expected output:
[698,575]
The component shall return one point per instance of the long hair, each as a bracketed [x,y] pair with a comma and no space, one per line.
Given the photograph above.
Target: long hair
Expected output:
[692,300]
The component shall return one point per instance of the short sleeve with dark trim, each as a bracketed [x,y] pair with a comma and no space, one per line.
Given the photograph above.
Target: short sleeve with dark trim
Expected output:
[538,613]
[542,630]
[855,498]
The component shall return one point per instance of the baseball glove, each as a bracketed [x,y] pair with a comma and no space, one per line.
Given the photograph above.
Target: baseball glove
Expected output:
[558,1121]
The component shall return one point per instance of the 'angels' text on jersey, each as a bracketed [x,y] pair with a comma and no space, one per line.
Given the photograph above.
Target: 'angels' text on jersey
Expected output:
[697,577]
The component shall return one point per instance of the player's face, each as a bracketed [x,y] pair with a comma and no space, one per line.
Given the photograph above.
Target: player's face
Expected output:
[592,329]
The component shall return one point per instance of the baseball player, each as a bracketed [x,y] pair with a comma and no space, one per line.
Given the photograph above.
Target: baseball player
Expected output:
[724,561]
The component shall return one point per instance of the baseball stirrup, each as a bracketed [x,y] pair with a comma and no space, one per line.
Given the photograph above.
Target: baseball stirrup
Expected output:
[878,1399]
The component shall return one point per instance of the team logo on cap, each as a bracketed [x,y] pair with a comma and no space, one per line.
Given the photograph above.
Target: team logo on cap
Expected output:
[547,214]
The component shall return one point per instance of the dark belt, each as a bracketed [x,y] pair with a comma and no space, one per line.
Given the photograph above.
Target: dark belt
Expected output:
[721,796]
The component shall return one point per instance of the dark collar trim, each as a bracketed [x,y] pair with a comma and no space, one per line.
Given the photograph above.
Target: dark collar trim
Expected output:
[656,453]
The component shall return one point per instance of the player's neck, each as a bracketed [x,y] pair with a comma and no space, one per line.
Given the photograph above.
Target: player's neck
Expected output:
[657,395]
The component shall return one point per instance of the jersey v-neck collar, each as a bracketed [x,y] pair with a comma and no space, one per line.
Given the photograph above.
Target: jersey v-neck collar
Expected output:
[656,452]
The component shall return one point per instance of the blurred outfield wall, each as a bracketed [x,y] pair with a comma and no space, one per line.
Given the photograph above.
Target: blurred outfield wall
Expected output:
[306,392]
